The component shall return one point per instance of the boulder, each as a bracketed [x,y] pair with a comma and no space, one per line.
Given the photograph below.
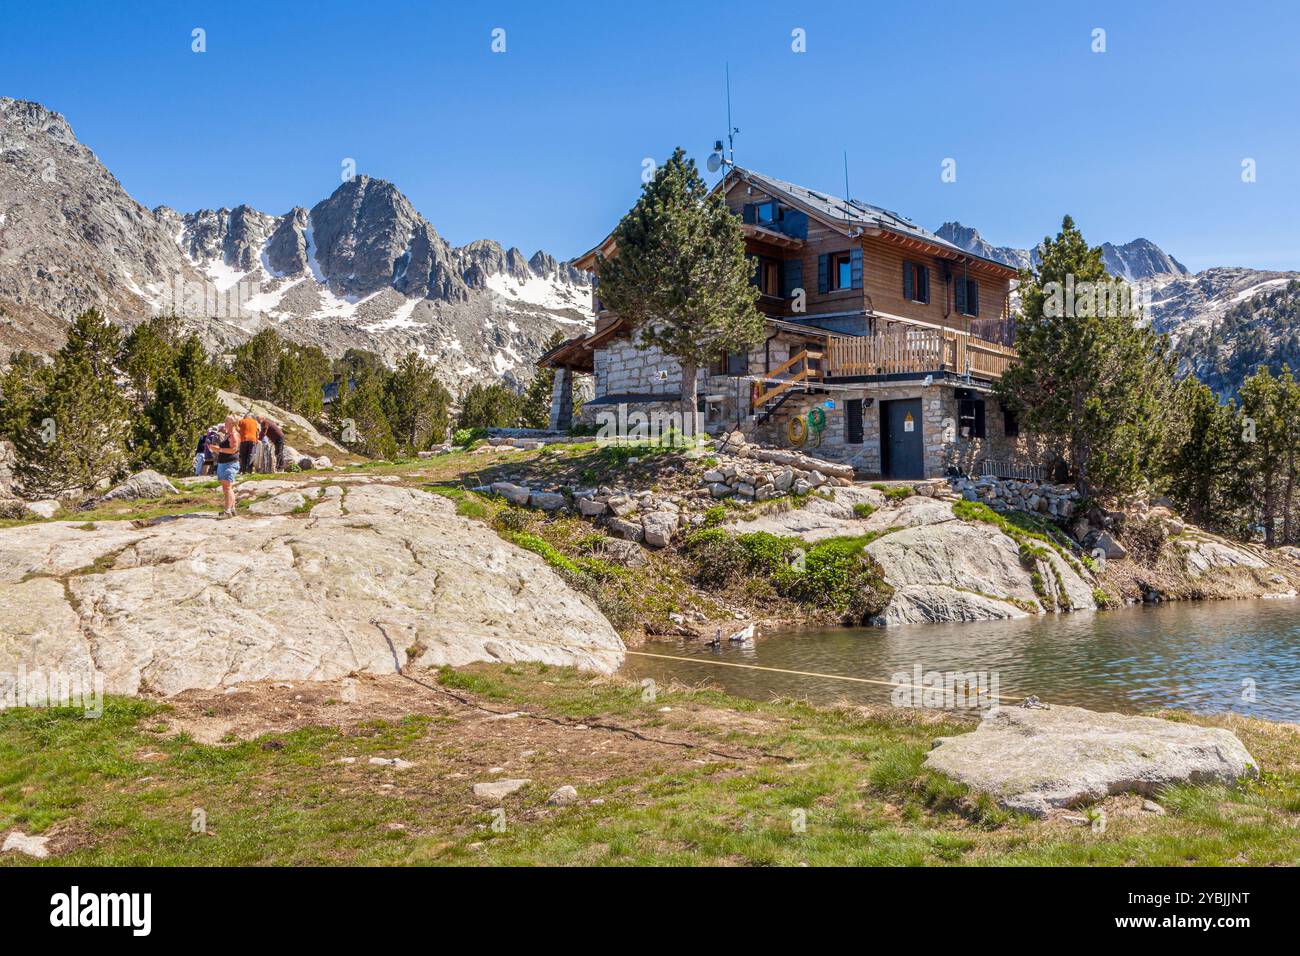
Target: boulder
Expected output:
[515,494]
[1110,547]
[627,553]
[625,529]
[33,846]
[591,508]
[1035,759]
[719,490]
[547,500]
[937,603]
[401,579]
[499,789]
[562,796]
[46,508]
[143,484]
[322,461]
[659,528]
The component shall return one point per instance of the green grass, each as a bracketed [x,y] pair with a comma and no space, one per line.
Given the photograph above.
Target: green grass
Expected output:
[127,792]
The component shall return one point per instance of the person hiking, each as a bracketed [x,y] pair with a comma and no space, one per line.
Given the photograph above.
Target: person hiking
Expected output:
[203,454]
[247,431]
[227,453]
[274,433]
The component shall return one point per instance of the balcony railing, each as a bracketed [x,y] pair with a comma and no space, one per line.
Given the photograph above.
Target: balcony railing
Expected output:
[917,350]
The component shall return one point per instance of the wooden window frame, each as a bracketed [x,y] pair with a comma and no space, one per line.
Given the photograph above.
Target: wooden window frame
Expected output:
[840,260]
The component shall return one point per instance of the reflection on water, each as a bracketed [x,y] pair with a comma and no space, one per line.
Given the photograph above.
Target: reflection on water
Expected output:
[1212,656]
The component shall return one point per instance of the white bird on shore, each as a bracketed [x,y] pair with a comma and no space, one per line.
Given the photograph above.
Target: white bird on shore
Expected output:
[743,637]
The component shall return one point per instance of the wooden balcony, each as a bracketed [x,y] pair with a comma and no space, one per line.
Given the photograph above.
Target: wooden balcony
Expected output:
[917,351]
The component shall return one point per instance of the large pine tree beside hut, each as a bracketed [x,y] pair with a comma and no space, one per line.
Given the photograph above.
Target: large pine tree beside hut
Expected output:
[679,273]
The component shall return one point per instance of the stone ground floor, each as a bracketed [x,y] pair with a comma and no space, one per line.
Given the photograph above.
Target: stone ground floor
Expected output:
[892,429]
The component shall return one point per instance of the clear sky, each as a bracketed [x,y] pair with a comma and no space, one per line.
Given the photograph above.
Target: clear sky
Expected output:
[542,146]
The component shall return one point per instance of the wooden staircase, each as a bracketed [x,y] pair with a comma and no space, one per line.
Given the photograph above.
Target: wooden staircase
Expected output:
[803,373]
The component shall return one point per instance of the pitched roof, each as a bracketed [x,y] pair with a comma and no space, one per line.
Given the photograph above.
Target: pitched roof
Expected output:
[850,212]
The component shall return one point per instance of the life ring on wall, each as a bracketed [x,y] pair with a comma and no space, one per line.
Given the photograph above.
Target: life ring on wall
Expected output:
[798,431]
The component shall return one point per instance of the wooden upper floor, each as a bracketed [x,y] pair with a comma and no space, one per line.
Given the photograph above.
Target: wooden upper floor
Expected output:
[848,270]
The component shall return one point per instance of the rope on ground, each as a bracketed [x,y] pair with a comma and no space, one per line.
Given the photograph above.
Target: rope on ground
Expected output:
[783,670]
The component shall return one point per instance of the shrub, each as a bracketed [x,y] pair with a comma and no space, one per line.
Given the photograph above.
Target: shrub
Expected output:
[464,437]
[715,516]
[863,510]
[511,521]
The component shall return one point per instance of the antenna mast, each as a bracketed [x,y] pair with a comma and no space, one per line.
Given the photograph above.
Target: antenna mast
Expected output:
[731,144]
[848,196]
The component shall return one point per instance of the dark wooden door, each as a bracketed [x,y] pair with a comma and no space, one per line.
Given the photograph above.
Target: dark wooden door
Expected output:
[901,449]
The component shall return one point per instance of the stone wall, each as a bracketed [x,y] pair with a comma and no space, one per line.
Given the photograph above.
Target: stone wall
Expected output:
[1058,501]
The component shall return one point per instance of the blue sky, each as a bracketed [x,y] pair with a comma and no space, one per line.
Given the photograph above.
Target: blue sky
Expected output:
[541,146]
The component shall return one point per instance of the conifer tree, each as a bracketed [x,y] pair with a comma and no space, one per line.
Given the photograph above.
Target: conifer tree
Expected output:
[489,406]
[679,273]
[416,404]
[184,404]
[148,351]
[1091,375]
[77,429]
[536,406]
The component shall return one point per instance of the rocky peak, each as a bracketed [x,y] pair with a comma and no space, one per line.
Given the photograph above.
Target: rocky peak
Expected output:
[1139,259]
[968,238]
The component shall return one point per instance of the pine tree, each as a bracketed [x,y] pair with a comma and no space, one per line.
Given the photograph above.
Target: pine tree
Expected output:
[147,353]
[416,404]
[184,404]
[1268,447]
[300,375]
[256,363]
[21,388]
[1091,376]
[679,273]
[1202,464]
[536,406]
[357,414]
[489,406]
[77,429]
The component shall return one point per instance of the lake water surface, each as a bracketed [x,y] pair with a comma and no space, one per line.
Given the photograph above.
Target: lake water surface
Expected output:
[1209,656]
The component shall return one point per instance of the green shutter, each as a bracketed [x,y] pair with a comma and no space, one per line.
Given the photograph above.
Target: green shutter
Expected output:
[823,273]
[925,284]
[907,281]
[959,295]
[792,277]
[973,297]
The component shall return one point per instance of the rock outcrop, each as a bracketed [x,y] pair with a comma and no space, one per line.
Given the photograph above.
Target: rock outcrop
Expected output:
[1037,759]
[374,579]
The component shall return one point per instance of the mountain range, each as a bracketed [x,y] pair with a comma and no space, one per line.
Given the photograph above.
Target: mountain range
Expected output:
[361,268]
[1223,321]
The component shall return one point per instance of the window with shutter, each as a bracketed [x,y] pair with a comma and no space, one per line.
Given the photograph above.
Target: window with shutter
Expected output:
[823,273]
[916,282]
[855,268]
[966,293]
[853,421]
[747,213]
[792,277]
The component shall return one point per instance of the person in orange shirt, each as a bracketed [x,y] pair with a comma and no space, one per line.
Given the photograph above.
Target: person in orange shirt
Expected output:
[248,429]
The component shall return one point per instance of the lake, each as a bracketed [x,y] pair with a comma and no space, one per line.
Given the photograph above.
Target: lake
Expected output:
[1209,657]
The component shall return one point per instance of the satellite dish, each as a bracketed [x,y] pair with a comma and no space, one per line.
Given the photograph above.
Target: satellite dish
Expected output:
[714,162]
